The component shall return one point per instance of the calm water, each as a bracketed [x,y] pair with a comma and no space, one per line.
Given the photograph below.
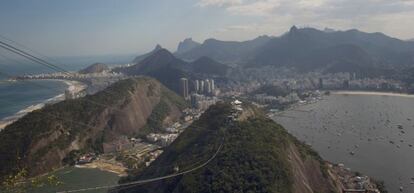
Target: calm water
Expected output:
[79,178]
[366,126]
[15,96]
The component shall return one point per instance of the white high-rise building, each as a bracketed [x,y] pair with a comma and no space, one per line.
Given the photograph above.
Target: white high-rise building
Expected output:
[201,86]
[196,86]
[184,87]
[207,86]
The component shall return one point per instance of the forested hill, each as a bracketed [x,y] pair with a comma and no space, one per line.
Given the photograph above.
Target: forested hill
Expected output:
[257,155]
[42,140]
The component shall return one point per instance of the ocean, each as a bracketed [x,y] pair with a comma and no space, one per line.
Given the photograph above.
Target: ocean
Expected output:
[370,134]
[17,97]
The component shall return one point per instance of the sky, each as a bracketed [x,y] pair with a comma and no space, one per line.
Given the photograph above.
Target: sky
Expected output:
[112,27]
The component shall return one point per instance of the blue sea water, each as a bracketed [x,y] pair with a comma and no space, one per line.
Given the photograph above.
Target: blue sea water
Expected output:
[18,95]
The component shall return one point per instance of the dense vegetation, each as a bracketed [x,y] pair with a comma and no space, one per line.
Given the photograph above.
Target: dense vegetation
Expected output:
[69,119]
[161,110]
[253,157]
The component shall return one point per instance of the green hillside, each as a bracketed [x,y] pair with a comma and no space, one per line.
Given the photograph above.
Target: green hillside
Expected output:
[253,158]
[40,140]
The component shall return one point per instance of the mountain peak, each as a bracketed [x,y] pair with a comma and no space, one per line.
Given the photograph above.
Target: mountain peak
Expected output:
[293,29]
[161,53]
[142,57]
[187,45]
[158,47]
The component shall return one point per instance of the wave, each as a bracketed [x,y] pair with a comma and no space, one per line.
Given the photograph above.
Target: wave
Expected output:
[60,97]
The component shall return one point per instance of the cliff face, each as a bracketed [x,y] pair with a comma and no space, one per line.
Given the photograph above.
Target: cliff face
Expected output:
[42,139]
[257,155]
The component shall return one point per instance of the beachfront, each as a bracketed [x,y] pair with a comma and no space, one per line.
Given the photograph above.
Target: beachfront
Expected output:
[74,85]
[372,93]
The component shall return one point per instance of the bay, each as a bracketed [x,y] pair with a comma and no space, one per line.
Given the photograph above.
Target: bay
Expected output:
[371,134]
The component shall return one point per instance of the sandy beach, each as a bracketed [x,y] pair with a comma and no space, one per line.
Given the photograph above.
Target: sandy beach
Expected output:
[372,93]
[74,85]
[106,166]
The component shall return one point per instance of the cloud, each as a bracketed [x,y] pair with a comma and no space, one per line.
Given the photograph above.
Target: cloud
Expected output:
[220,3]
[368,15]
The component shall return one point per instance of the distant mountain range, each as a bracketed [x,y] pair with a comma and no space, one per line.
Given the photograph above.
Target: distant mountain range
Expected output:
[225,51]
[310,49]
[305,49]
[164,66]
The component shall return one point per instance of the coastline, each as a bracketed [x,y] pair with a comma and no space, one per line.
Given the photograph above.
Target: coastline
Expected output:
[60,97]
[372,93]
[103,165]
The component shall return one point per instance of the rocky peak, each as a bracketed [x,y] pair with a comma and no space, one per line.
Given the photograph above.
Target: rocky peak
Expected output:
[186,45]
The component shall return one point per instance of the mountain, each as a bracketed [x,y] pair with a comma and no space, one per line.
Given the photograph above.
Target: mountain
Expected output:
[302,48]
[48,138]
[205,65]
[168,69]
[309,49]
[186,45]
[224,51]
[253,154]
[163,66]
[141,57]
[94,68]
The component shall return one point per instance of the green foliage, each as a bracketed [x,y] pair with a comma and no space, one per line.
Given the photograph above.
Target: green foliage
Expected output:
[161,110]
[253,157]
[69,120]
[19,183]
[158,114]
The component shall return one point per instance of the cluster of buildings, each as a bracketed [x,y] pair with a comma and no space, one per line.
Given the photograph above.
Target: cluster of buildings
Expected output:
[167,137]
[162,139]
[202,92]
[350,81]
[202,102]
[71,75]
[75,91]
[351,181]
[120,144]
[87,158]
[277,100]
[203,87]
[206,87]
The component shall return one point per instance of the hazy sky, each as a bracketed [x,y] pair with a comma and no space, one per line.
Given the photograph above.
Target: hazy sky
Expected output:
[99,27]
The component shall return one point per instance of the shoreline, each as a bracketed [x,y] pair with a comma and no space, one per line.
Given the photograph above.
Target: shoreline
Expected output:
[59,97]
[105,166]
[372,93]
